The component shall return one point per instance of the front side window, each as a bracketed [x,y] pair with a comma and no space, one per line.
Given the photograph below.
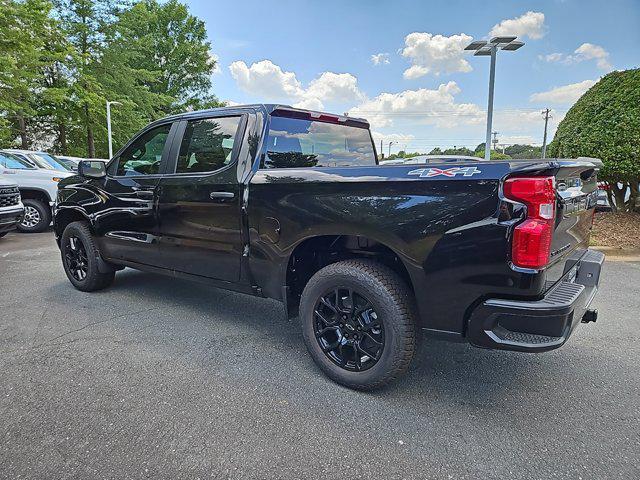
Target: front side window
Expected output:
[144,155]
[207,144]
[296,143]
[11,161]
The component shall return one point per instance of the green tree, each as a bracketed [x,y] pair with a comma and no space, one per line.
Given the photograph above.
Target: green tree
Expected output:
[458,151]
[495,155]
[523,151]
[85,23]
[24,28]
[171,45]
[605,123]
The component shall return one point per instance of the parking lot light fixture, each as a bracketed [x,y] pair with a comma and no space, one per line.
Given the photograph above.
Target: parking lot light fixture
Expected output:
[490,48]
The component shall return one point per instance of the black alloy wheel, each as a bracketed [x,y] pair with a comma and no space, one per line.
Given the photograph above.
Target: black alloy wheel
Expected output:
[348,329]
[358,323]
[81,259]
[75,257]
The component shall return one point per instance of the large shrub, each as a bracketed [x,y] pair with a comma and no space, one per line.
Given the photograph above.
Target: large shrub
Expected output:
[605,123]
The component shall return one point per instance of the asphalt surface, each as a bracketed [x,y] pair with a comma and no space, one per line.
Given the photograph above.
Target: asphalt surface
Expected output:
[161,378]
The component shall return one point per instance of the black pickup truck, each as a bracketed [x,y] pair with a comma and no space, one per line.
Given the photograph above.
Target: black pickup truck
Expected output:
[291,204]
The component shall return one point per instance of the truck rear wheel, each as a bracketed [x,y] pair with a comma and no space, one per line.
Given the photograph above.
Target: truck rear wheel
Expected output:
[80,259]
[358,323]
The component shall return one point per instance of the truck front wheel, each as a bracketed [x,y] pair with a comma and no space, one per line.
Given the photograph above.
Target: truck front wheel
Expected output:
[358,323]
[80,259]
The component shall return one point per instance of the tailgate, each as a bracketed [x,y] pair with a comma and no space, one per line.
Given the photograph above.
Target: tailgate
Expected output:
[576,187]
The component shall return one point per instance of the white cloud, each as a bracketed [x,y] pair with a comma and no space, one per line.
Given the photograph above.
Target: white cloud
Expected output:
[552,57]
[565,94]
[435,54]
[531,25]
[380,59]
[335,87]
[586,51]
[589,51]
[434,107]
[517,139]
[268,81]
[398,139]
[213,58]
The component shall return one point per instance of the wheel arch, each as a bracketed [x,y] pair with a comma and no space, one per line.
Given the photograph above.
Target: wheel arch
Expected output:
[313,253]
[66,215]
[35,193]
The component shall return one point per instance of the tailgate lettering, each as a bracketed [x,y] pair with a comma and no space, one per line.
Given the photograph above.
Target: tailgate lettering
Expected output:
[447,172]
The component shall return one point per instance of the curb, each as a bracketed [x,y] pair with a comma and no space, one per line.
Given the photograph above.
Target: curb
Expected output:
[619,254]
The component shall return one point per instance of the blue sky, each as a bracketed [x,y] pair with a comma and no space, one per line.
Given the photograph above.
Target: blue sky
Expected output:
[422,91]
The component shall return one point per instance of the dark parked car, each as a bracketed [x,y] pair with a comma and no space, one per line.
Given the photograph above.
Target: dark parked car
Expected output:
[291,204]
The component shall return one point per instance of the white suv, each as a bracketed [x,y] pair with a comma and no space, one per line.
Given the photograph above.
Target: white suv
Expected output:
[38,188]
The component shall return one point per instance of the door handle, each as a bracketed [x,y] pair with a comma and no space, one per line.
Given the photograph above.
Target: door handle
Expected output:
[144,194]
[221,195]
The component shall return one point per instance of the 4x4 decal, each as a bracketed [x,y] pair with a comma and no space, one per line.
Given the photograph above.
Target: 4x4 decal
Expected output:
[448,172]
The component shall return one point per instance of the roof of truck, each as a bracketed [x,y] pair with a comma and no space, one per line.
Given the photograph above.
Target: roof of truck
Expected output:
[269,108]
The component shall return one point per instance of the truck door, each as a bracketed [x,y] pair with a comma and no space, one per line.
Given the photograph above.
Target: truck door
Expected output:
[199,200]
[127,228]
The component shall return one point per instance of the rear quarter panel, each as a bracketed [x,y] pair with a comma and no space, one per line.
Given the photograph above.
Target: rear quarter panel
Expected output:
[448,231]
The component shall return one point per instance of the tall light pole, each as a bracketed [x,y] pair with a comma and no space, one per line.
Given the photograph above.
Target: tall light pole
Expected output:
[484,48]
[390,143]
[109,126]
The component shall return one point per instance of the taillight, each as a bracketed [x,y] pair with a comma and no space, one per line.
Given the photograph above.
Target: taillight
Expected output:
[532,238]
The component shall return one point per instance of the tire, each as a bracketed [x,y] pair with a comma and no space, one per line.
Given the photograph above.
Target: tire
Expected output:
[360,362]
[80,259]
[37,216]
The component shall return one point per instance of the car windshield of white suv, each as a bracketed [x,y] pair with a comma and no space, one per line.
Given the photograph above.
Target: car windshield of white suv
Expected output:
[49,161]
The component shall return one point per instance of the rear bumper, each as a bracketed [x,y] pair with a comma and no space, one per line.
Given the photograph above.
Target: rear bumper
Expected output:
[10,217]
[540,325]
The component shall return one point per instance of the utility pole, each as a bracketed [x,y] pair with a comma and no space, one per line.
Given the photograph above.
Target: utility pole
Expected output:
[495,141]
[381,148]
[545,112]
[390,143]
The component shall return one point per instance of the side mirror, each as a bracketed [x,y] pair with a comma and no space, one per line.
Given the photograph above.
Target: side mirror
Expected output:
[92,169]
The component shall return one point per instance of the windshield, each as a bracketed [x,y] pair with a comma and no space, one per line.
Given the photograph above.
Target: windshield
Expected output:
[295,143]
[49,161]
[8,160]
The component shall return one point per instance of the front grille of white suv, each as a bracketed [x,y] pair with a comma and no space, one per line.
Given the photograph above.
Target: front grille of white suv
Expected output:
[9,196]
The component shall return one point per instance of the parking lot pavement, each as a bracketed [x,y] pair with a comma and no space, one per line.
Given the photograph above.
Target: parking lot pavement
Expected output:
[161,378]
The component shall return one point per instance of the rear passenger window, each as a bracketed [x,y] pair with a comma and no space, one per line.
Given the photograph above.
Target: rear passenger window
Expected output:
[207,144]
